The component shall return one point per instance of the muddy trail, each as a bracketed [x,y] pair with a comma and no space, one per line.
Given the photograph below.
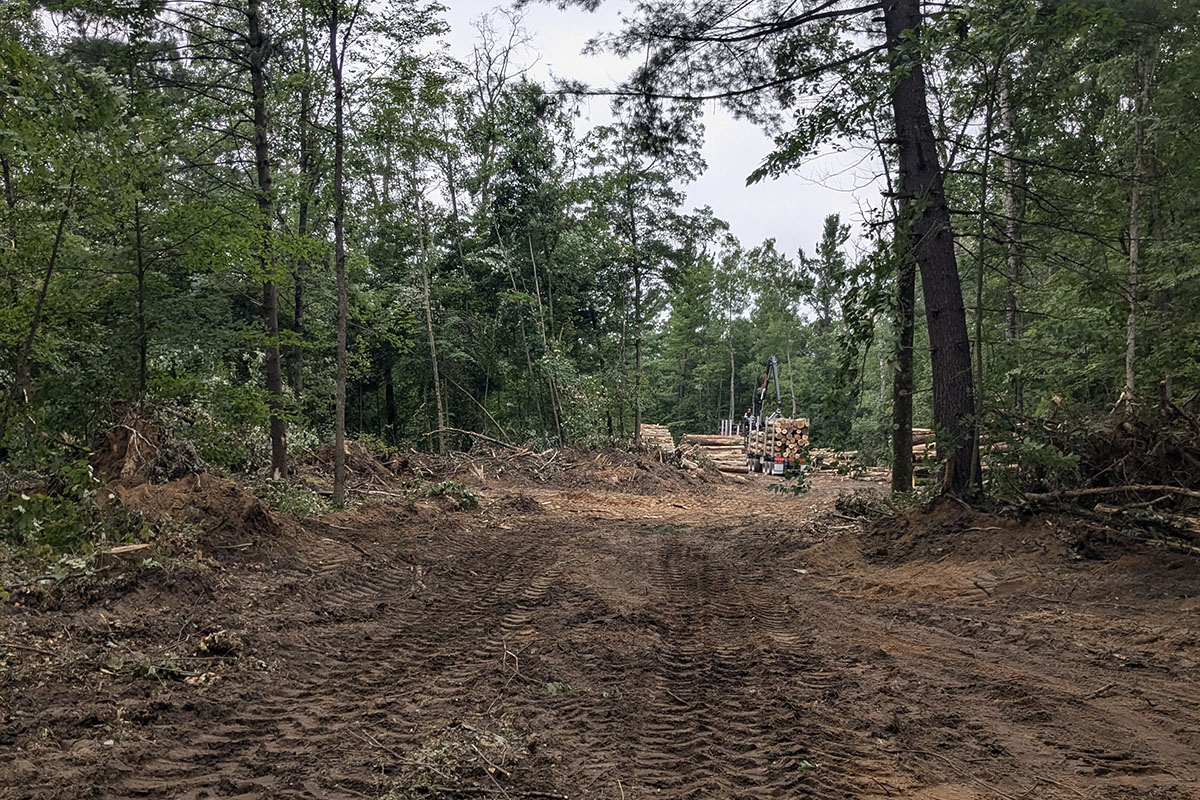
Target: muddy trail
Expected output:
[706,642]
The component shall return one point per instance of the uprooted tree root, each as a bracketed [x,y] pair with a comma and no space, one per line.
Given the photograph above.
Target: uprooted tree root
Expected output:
[138,449]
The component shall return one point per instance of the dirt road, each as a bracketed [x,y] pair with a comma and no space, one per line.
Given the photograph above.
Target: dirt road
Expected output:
[714,642]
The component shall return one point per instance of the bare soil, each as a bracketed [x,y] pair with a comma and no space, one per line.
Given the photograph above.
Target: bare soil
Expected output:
[707,639]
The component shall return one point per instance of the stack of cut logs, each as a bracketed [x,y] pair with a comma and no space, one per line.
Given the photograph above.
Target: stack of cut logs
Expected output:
[657,436]
[785,438]
[924,447]
[924,453]
[727,453]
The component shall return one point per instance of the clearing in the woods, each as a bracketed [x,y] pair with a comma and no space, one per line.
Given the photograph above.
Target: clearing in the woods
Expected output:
[641,637]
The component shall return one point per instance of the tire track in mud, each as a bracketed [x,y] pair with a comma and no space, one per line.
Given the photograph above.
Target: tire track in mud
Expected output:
[692,663]
[735,710]
[723,697]
[366,666]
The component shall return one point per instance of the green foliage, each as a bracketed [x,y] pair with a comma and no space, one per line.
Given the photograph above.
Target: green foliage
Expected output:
[71,514]
[797,479]
[134,258]
[1027,465]
[298,501]
[460,491]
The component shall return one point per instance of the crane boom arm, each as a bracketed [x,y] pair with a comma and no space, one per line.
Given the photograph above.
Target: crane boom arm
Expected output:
[772,371]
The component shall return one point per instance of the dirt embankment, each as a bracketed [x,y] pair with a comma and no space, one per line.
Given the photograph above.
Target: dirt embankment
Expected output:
[592,638]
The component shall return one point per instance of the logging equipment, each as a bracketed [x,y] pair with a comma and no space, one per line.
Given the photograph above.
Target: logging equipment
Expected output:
[773,445]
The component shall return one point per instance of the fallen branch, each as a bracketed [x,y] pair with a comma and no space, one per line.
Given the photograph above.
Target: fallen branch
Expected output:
[31,649]
[1101,490]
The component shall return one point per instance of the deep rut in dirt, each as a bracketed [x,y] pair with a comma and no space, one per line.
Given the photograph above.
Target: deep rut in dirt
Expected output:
[610,647]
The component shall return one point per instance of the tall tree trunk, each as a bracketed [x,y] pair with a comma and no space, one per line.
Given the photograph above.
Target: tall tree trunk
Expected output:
[534,390]
[537,289]
[433,357]
[732,374]
[452,190]
[902,378]
[906,302]
[1145,73]
[923,199]
[389,399]
[262,169]
[143,377]
[1014,212]
[624,371]
[637,314]
[791,378]
[976,472]
[339,250]
[637,356]
[307,189]
[10,202]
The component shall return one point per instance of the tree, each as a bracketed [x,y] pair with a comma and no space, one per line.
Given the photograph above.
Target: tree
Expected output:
[258,56]
[757,60]
[823,279]
[636,167]
[924,212]
[337,56]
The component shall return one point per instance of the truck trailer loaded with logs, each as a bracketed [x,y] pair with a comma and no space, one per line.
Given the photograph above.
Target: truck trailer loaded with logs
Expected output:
[773,444]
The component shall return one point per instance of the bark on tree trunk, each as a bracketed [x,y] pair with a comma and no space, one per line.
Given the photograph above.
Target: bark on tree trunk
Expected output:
[732,373]
[902,378]
[339,248]
[10,201]
[262,167]
[621,375]
[1141,106]
[389,399]
[637,356]
[791,378]
[1014,212]
[307,188]
[637,314]
[142,338]
[976,473]
[433,357]
[537,289]
[923,200]
[533,384]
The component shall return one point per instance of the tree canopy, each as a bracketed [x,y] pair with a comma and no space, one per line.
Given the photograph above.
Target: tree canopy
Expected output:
[288,220]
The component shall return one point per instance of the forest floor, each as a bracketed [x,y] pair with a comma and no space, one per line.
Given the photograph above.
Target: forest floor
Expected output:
[700,638]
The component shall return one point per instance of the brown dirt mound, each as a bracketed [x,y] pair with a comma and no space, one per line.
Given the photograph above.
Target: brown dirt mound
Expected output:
[232,519]
[518,502]
[946,528]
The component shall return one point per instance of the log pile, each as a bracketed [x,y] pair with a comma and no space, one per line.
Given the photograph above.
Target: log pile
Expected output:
[727,453]
[657,436]
[924,448]
[784,438]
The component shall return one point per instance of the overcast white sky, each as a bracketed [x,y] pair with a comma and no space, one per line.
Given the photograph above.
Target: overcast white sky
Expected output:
[791,209]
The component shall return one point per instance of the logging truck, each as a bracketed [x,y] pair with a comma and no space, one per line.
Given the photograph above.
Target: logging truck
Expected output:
[773,444]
